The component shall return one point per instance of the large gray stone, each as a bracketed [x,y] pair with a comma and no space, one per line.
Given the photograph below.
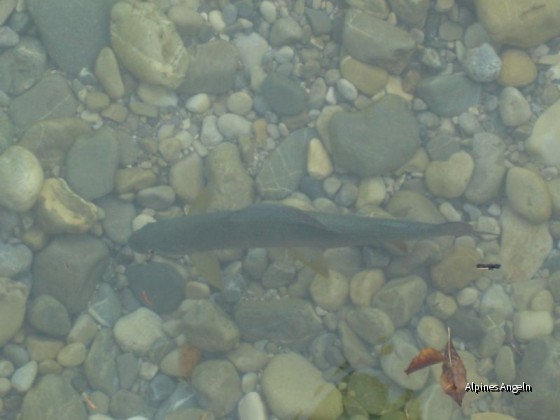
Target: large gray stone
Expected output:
[217,386]
[207,326]
[92,164]
[69,268]
[377,140]
[374,41]
[73,31]
[449,95]
[289,321]
[22,66]
[50,98]
[283,169]
[212,69]
[229,185]
[53,398]
[401,298]
[100,365]
[489,168]
[284,95]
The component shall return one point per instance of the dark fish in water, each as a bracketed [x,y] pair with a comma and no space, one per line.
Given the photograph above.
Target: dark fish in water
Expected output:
[277,226]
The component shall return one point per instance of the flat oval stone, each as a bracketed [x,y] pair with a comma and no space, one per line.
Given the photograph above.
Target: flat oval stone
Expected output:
[21,178]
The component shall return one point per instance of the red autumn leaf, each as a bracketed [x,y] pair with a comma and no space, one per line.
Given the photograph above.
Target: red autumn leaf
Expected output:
[428,356]
[453,379]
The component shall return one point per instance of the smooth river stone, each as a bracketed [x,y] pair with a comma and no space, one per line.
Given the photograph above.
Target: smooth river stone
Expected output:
[212,70]
[521,23]
[13,298]
[294,388]
[61,210]
[21,178]
[517,68]
[92,163]
[377,140]
[528,195]
[543,143]
[289,321]
[374,41]
[147,44]
[450,178]
[524,246]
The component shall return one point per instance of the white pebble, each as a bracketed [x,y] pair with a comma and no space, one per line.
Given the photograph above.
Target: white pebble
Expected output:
[198,103]
[217,21]
[251,407]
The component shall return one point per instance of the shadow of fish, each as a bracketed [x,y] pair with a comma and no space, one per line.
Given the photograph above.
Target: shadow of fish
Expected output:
[277,226]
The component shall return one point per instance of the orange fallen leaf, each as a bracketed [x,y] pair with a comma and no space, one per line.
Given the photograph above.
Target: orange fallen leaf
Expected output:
[453,379]
[428,356]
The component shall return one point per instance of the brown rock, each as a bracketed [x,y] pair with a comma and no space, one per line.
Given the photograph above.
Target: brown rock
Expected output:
[517,68]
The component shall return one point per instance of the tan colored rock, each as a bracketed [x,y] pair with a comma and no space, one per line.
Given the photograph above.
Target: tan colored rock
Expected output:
[521,23]
[371,191]
[319,163]
[330,292]
[134,179]
[456,270]
[528,195]
[524,246]
[368,79]
[517,68]
[450,178]
[364,285]
[294,388]
[61,210]
[108,73]
[544,143]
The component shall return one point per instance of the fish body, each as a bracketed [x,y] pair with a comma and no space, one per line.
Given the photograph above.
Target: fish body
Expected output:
[271,226]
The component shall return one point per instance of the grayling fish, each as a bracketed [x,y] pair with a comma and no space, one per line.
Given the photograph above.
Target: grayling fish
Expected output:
[271,226]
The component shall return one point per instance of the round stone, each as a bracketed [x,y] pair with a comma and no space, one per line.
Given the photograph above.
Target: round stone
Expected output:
[329,293]
[293,387]
[432,332]
[517,69]
[450,178]
[21,178]
[138,330]
[72,355]
[240,103]
[482,64]
[528,325]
